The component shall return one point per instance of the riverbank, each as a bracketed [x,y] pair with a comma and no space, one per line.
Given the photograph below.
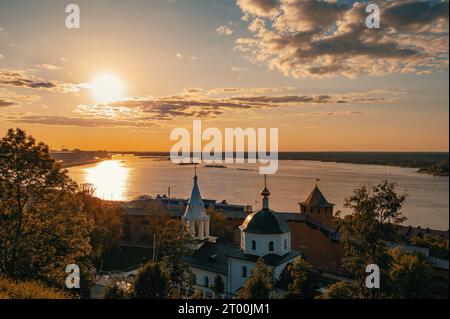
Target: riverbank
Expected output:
[431,163]
[77,158]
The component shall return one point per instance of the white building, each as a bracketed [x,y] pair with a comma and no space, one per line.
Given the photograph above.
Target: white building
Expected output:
[263,234]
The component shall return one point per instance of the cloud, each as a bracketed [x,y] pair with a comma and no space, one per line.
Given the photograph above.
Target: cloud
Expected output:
[49,67]
[263,8]
[9,98]
[22,79]
[224,30]
[202,104]
[71,121]
[315,38]
[5,103]
[239,69]
[206,104]
[179,55]
[1,56]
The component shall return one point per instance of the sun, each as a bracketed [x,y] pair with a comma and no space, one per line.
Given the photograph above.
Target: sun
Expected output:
[107,88]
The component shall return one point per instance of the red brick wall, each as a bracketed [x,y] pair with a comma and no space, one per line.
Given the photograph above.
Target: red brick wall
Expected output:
[316,247]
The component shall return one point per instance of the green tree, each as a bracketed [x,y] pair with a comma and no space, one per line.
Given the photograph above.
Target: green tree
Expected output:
[151,282]
[411,275]
[42,226]
[171,243]
[115,292]
[108,221]
[375,219]
[220,226]
[218,286]
[339,290]
[10,289]
[304,280]
[260,284]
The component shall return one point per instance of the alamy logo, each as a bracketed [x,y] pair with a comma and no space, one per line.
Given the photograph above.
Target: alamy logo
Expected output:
[373,19]
[235,146]
[73,19]
[373,280]
[73,279]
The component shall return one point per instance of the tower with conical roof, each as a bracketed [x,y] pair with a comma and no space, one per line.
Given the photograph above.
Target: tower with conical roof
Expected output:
[317,207]
[195,216]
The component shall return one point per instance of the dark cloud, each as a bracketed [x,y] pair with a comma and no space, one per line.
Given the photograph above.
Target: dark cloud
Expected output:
[415,15]
[144,110]
[147,111]
[73,121]
[23,79]
[317,38]
[4,103]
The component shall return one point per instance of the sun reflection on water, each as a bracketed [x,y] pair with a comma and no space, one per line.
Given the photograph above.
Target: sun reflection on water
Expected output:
[109,179]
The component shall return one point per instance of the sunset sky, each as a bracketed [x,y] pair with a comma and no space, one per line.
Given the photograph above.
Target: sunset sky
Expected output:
[137,69]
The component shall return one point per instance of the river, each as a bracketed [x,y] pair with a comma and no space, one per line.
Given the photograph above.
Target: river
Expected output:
[125,177]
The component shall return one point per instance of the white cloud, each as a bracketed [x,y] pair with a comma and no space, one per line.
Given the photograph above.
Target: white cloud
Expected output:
[49,67]
[224,30]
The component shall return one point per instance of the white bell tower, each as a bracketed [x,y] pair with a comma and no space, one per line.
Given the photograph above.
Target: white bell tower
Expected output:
[195,217]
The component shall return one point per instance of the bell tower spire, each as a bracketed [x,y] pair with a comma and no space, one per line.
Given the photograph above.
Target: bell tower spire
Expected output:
[195,216]
[265,193]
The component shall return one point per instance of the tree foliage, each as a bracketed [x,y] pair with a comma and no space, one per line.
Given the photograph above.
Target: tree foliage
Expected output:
[10,289]
[339,290]
[42,226]
[220,226]
[218,285]
[374,220]
[108,220]
[411,275]
[151,283]
[260,284]
[304,280]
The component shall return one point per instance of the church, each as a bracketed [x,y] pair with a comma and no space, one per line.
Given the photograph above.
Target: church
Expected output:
[263,234]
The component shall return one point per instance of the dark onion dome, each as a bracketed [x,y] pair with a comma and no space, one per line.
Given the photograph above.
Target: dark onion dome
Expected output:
[265,221]
[316,199]
[265,192]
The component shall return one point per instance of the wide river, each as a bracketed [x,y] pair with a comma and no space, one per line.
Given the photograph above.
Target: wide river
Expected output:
[125,177]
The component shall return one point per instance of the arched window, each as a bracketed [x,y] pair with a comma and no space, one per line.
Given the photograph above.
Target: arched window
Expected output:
[271,246]
[253,244]
[285,243]
[206,283]
[244,272]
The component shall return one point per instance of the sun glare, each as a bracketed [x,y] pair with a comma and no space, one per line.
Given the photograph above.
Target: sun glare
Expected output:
[107,88]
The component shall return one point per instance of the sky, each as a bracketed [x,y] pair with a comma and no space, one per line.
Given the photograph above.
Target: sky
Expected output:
[137,69]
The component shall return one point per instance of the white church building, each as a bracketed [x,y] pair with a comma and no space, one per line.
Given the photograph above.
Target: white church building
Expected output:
[263,234]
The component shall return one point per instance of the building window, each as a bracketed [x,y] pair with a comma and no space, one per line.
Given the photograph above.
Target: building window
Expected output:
[271,246]
[244,272]
[253,244]
[285,244]
[206,283]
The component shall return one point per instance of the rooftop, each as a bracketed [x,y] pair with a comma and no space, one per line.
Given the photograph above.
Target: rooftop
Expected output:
[265,221]
[271,260]
[316,199]
[212,257]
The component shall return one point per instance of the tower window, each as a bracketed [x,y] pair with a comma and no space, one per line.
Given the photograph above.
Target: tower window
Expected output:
[206,282]
[244,272]
[271,248]
[253,244]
